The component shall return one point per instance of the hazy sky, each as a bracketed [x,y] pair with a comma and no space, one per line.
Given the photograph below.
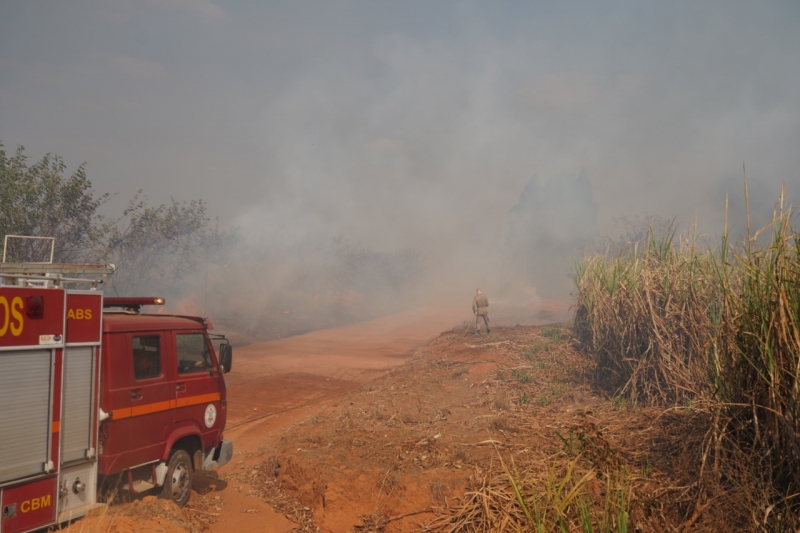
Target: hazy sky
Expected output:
[407,123]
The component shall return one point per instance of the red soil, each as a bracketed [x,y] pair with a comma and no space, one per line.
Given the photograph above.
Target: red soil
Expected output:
[275,386]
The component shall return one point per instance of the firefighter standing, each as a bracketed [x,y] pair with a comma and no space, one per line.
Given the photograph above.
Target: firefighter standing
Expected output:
[480,307]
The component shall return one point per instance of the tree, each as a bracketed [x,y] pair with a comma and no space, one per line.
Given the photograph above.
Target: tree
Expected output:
[40,200]
[154,248]
[157,249]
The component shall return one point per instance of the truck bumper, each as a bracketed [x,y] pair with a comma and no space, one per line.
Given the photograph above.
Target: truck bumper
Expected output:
[219,456]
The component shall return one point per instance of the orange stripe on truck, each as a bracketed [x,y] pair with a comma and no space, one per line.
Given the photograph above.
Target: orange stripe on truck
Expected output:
[156,407]
[200,398]
[148,408]
[119,414]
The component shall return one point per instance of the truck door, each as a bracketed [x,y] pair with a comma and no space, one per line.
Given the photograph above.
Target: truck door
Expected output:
[196,394]
[117,372]
[150,415]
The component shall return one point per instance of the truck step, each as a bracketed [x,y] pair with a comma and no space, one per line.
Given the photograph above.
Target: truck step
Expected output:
[140,485]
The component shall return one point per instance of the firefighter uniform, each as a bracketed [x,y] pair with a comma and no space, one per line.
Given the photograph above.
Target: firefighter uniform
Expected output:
[480,307]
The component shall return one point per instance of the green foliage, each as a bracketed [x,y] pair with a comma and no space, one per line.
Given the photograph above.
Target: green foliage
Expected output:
[563,498]
[554,334]
[530,352]
[647,471]
[156,248]
[544,400]
[521,376]
[571,445]
[615,515]
[176,251]
[40,200]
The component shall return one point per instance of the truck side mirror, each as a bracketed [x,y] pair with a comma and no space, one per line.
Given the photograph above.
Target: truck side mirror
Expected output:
[225,357]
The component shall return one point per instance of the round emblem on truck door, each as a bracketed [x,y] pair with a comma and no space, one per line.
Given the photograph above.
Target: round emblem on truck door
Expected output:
[211,415]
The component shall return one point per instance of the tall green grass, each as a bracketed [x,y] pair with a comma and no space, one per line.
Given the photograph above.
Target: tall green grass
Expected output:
[671,322]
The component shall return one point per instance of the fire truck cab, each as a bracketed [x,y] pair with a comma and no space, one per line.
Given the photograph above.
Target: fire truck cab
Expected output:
[162,400]
[95,394]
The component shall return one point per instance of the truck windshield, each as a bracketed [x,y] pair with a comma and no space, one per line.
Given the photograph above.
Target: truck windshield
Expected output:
[193,353]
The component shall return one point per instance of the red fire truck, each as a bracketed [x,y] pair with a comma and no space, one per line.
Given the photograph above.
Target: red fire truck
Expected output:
[94,394]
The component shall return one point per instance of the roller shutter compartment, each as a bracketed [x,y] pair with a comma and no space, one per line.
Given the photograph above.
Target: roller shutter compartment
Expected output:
[24,412]
[76,417]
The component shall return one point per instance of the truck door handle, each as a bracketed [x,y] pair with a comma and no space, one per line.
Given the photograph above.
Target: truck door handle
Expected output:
[180,387]
[136,395]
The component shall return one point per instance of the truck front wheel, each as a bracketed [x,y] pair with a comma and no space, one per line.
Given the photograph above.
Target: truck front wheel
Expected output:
[178,482]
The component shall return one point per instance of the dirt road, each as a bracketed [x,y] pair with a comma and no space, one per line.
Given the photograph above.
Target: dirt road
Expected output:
[400,424]
[276,384]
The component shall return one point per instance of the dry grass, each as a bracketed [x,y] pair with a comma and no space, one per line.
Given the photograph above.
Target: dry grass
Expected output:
[551,495]
[716,330]
[422,449]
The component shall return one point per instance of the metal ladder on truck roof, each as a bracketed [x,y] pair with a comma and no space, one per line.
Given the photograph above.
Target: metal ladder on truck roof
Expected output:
[49,274]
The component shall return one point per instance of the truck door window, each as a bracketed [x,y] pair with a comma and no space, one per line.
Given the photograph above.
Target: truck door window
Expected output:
[146,357]
[193,353]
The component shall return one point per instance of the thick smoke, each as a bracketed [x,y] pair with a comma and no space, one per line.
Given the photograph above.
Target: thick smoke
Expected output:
[411,130]
[550,226]
[276,290]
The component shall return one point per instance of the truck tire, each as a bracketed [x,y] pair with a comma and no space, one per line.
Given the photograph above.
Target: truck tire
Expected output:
[178,482]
